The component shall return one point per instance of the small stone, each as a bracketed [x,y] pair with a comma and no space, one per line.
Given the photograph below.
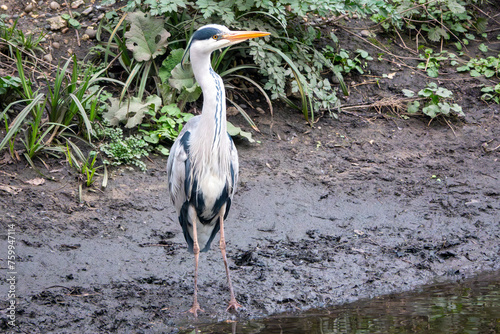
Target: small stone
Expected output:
[65,30]
[365,33]
[87,11]
[4,7]
[231,111]
[57,23]
[90,32]
[54,5]
[70,51]
[56,45]
[77,3]
[29,7]
[48,58]
[85,37]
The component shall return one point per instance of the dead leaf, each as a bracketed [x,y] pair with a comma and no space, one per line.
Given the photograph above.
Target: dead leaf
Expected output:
[36,181]
[6,159]
[10,189]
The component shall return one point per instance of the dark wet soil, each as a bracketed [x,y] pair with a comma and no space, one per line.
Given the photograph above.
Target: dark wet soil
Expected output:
[356,207]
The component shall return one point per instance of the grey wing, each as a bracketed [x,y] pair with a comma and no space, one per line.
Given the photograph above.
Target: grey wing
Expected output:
[176,164]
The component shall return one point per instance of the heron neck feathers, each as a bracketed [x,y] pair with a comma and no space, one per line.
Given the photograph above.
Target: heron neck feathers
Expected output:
[211,142]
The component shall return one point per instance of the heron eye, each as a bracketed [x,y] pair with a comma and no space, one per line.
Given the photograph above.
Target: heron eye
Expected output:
[215,37]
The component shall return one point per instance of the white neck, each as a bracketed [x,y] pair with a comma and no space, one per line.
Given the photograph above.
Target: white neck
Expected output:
[210,145]
[214,94]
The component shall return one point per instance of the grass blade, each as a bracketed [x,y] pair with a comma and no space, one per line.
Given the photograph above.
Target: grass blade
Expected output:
[245,115]
[256,85]
[306,101]
[238,68]
[113,33]
[85,118]
[19,120]
[131,77]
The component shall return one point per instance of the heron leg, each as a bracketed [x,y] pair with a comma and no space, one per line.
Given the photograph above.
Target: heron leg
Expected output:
[196,250]
[233,304]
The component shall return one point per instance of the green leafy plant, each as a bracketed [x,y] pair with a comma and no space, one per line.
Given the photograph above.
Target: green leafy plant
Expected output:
[14,39]
[34,141]
[49,115]
[147,39]
[9,87]
[13,128]
[344,63]
[96,106]
[34,136]
[237,131]
[439,19]
[84,165]
[289,60]
[174,81]
[130,111]
[437,102]
[489,67]
[180,86]
[66,95]
[71,21]
[434,61]
[165,124]
[121,150]
[491,93]
[9,84]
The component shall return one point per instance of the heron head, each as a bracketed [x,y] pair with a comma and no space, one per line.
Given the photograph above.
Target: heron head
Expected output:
[212,37]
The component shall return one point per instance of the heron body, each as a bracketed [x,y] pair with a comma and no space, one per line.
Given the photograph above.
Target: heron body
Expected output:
[202,167]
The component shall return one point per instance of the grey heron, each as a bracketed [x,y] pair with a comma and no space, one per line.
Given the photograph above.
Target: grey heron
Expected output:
[202,168]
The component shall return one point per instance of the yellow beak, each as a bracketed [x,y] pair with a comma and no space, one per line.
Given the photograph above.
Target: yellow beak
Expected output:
[240,36]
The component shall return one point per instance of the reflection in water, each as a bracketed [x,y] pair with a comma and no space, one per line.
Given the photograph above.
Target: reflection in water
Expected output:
[469,307]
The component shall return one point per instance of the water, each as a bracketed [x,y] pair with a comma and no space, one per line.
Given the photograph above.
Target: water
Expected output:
[469,307]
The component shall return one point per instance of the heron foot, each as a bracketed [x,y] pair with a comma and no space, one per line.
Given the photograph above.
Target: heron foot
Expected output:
[195,309]
[233,304]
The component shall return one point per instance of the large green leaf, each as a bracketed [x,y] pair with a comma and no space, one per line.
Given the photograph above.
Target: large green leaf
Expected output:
[146,38]
[169,64]
[183,80]
[130,111]
[237,131]
[182,76]
[431,110]
[455,7]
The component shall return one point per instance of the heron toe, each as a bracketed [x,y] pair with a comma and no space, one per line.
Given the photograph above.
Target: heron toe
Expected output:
[195,309]
[233,304]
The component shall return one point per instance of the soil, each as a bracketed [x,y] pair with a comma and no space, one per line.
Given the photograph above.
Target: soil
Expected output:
[364,205]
